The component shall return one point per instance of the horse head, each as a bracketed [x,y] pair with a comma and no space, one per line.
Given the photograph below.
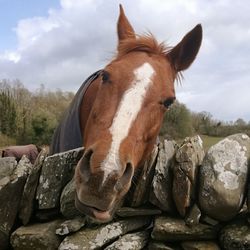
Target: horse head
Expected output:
[134,91]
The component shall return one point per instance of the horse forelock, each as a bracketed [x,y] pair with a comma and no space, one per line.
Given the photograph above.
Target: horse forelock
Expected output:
[146,43]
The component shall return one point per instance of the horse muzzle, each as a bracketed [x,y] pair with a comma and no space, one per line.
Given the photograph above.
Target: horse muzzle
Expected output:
[95,213]
[98,195]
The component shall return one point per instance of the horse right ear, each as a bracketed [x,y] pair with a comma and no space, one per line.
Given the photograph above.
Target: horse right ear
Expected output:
[184,53]
[124,28]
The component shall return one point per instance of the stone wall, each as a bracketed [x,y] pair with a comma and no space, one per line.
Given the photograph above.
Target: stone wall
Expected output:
[184,199]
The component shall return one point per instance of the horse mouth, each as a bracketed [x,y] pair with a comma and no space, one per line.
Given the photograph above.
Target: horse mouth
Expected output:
[96,214]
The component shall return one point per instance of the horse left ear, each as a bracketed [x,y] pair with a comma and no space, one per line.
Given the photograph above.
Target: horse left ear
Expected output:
[184,53]
[124,28]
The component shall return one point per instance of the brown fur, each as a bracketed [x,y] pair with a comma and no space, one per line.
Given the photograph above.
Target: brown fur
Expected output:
[95,197]
[146,43]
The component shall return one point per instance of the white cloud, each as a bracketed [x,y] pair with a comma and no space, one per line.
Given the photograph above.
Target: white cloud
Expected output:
[64,47]
[10,56]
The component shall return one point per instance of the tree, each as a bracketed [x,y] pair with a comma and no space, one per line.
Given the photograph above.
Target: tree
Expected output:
[43,125]
[203,123]
[240,122]
[23,99]
[8,114]
[30,117]
[177,122]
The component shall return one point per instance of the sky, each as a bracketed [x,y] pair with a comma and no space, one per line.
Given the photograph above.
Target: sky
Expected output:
[59,43]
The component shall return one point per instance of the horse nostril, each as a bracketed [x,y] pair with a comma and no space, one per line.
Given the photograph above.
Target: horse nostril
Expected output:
[127,174]
[125,178]
[85,164]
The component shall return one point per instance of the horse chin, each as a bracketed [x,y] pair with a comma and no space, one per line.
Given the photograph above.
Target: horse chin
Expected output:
[94,213]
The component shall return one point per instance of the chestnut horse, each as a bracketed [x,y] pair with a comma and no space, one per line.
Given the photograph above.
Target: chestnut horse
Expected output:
[121,114]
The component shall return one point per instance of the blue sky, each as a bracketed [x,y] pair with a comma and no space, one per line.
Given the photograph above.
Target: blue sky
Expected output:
[14,10]
[60,43]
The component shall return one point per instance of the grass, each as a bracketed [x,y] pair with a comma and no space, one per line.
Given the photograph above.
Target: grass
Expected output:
[209,141]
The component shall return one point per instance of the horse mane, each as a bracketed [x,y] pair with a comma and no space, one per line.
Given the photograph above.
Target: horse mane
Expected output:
[145,43]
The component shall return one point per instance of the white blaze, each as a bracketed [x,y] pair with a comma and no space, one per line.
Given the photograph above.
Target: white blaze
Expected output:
[126,114]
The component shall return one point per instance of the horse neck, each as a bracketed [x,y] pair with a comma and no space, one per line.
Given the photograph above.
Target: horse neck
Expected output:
[87,103]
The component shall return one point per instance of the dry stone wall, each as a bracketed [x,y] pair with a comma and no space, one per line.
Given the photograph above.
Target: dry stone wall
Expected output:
[184,199]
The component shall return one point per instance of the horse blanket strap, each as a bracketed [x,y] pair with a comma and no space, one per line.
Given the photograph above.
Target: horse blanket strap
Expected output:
[68,133]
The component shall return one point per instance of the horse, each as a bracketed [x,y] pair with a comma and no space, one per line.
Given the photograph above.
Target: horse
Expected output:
[117,114]
[31,151]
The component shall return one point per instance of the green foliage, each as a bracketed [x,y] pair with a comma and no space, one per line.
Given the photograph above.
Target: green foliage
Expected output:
[203,123]
[30,117]
[8,114]
[6,140]
[43,125]
[177,122]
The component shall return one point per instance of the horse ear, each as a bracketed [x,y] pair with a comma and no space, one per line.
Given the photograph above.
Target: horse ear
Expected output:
[124,28]
[184,53]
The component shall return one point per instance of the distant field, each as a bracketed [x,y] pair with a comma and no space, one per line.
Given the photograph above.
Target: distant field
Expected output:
[209,141]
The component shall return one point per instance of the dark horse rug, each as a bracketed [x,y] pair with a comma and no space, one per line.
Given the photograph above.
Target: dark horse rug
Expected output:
[68,133]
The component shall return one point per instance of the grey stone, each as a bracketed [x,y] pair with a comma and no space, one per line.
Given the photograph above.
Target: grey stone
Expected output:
[11,188]
[236,236]
[172,229]
[189,157]
[140,193]
[200,245]
[37,236]
[193,216]
[132,241]
[223,177]
[4,240]
[95,238]
[70,226]
[67,201]
[141,211]
[7,166]
[210,221]
[161,189]
[57,171]
[244,208]
[46,214]
[27,201]
[248,196]
[154,245]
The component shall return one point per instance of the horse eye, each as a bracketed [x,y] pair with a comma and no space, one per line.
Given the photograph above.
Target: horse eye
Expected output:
[168,102]
[105,76]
